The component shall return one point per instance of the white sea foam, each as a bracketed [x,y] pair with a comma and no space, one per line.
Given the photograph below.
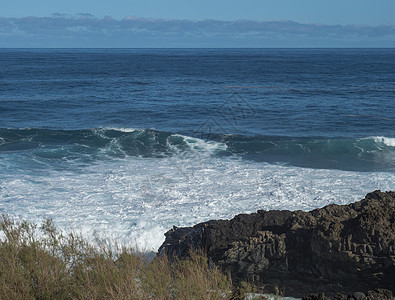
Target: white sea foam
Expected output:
[122,129]
[390,142]
[200,146]
[136,200]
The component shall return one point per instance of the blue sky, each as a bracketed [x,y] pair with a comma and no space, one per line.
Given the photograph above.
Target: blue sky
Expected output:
[183,23]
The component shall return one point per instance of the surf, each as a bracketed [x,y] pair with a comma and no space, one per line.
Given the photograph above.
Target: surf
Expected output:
[366,154]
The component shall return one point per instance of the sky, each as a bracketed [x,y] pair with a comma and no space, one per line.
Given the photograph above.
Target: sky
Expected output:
[203,23]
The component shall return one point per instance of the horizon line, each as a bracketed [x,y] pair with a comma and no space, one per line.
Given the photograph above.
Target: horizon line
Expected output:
[124,48]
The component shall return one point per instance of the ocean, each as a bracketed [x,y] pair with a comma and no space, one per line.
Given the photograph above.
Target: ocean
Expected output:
[123,144]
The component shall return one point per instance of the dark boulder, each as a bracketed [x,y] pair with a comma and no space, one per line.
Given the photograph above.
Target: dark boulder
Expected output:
[334,249]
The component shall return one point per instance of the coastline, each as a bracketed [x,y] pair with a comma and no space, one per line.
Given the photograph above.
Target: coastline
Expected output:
[338,251]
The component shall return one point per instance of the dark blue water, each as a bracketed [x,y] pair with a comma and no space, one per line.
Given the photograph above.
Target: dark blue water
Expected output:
[320,100]
[253,113]
[317,92]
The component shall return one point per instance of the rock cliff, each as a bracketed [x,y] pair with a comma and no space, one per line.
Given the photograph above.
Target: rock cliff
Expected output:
[334,249]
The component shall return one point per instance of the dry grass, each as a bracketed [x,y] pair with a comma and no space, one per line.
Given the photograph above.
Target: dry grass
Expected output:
[43,263]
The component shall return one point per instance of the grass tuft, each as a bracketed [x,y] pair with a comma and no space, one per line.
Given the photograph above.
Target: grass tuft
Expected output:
[43,263]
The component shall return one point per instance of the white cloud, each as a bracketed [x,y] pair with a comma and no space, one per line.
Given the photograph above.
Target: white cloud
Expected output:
[142,32]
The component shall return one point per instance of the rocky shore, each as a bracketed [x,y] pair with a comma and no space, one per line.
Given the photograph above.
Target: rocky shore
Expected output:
[344,249]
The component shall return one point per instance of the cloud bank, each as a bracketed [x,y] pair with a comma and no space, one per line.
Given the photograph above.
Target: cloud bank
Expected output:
[85,30]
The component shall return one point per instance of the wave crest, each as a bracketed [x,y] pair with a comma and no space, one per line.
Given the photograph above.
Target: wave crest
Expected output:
[390,142]
[87,145]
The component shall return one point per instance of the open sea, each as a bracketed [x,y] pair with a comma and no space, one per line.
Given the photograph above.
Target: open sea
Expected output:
[122,144]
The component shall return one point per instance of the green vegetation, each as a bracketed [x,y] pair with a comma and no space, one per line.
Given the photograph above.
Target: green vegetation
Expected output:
[43,263]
